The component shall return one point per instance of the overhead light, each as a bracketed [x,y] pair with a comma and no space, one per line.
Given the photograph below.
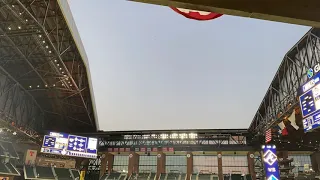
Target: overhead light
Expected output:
[40,35]
[26,20]
[70,84]
[49,51]
[47,47]
[12,5]
[30,86]
[14,133]
[55,60]
[43,42]
[60,68]
[20,13]
[54,85]
[9,28]
[58,64]
[46,85]
[38,86]
[19,27]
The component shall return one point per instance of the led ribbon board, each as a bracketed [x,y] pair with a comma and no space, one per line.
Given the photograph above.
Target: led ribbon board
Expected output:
[309,98]
[270,160]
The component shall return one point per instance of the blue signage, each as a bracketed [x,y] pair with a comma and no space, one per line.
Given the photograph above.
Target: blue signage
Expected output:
[70,145]
[270,160]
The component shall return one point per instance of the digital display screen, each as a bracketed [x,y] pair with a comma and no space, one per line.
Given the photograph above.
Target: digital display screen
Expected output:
[70,145]
[310,103]
[270,160]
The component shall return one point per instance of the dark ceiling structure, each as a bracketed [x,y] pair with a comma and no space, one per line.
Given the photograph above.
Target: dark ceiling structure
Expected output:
[43,76]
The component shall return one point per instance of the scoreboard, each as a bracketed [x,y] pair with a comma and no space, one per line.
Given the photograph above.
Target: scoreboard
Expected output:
[310,103]
[70,145]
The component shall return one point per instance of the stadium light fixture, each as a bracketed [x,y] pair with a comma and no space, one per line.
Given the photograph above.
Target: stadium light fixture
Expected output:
[164,136]
[193,135]
[183,136]
[40,35]
[174,136]
[9,28]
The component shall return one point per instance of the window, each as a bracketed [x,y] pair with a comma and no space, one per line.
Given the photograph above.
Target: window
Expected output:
[120,163]
[147,163]
[235,164]
[205,164]
[176,163]
[299,161]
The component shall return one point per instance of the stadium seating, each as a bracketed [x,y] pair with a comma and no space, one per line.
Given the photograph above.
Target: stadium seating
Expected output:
[162,176]
[152,176]
[204,177]
[63,174]
[40,173]
[194,176]
[113,176]
[143,176]
[173,176]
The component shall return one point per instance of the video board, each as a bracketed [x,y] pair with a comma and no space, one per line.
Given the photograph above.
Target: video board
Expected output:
[70,145]
[310,103]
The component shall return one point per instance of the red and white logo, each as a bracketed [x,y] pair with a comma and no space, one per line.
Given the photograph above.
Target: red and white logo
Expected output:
[197,15]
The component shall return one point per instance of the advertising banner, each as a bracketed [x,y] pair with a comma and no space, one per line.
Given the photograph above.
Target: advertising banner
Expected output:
[270,160]
[31,156]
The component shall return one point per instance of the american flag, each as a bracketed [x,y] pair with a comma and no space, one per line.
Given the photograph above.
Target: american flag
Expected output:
[268,135]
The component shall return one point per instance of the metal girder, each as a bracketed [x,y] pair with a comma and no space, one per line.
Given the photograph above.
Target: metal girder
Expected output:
[281,97]
[38,51]
[194,143]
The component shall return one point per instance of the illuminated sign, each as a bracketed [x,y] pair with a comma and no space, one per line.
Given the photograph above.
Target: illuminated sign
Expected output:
[271,162]
[70,145]
[313,71]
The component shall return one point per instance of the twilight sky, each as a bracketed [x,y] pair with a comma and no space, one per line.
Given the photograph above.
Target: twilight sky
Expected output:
[154,69]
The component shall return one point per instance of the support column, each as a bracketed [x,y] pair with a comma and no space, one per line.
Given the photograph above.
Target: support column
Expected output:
[189,164]
[133,166]
[315,161]
[161,163]
[220,172]
[110,158]
[250,159]
[103,165]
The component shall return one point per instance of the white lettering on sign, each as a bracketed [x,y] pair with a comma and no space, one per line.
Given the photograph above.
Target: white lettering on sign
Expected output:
[272,169]
[316,68]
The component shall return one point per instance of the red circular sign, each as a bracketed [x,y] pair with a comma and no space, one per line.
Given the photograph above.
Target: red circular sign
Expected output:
[197,15]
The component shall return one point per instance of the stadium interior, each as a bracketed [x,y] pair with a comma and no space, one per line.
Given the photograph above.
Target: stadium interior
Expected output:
[45,87]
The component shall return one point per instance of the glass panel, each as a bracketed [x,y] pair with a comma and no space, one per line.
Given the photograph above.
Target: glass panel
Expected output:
[205,163]
[176,164]
[299,161]
[121,163]
[234,164]
[148,163]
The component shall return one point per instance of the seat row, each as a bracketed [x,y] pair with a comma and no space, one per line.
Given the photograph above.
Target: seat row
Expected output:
[39,173]
[171,176]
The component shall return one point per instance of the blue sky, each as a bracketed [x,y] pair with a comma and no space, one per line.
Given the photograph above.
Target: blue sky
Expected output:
[152,68]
